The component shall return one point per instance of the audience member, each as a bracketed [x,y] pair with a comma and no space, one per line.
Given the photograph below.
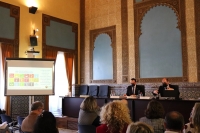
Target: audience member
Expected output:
[29,122]
[154,116]
[46,123]
[89,112]
[194,125]
[114,117]
[174,122]
[139,127]
[133,89]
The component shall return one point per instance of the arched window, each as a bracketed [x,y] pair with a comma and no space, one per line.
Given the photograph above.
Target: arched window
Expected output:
[102,58]
[160,49]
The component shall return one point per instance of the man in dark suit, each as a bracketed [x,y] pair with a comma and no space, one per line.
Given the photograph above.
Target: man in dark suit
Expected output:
[133,89]
[165,86]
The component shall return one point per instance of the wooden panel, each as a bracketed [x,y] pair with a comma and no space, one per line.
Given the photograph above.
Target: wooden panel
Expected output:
[14,12]
[71,106]
[197,27]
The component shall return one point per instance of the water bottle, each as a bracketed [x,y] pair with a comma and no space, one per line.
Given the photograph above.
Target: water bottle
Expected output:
[138,96]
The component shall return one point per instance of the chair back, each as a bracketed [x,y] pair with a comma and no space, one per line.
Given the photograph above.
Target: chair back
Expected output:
[86,129]
[6,118]
[93,90]
[83,90]
[20,119]
[142,89]
[103,91]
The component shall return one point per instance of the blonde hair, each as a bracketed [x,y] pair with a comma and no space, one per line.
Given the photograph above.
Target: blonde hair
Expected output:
[139,127]
[115,115]
[89,104]
[196,116]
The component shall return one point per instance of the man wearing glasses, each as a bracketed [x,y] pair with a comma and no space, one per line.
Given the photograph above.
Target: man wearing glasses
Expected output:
[29,122]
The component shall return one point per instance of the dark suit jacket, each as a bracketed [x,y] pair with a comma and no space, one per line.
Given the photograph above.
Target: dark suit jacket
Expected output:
[161,89]
[138,88]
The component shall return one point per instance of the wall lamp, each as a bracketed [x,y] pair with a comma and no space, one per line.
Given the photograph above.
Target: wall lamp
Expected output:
[33,38]
[32,9]
[34,32]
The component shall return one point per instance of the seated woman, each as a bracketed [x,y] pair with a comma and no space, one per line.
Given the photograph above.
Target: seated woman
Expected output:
[139,127]
[114,117]
[46,123]
[194,125]
[154,116]
[89,112]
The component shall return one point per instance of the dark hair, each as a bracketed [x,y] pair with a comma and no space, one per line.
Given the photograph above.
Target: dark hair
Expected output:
[133,79]
[46,123]
[166,79]
[36,105]
[154,110]
[174,121]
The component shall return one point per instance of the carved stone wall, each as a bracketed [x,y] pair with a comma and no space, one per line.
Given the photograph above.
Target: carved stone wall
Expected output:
[97,14]
[190,37]
[131,41]
[100,14]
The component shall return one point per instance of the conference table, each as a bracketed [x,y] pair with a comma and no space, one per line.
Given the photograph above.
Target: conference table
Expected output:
[71,106]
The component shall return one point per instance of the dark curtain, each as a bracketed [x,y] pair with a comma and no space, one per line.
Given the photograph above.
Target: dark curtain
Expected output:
[69,57]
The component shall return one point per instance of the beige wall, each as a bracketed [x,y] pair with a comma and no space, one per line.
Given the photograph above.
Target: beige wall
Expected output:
[64,9]
[104,13]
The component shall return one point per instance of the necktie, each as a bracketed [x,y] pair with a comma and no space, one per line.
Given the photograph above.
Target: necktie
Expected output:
[133,88]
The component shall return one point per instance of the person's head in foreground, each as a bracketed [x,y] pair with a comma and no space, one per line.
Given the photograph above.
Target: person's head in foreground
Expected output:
[139,127]
[115,115]
[37,107]
[195,116]
[154,110]
[46,123]
[89,104]
[174,121]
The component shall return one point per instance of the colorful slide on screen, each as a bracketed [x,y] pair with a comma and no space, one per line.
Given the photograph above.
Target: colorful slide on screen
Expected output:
[29,78]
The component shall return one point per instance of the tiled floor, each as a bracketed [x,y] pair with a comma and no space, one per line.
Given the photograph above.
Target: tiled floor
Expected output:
[62,131]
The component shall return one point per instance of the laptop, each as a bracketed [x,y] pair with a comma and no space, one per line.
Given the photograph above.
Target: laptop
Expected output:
[171,94]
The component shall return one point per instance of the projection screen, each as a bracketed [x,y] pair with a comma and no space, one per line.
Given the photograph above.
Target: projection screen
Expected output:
[24,76]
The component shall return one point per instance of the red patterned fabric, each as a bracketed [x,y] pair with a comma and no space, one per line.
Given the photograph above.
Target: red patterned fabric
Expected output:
[104,129]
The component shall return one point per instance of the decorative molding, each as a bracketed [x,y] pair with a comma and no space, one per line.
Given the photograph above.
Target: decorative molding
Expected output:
[103,81]
[82,41]
[125,51]
[46,22]
[111,31]
[14,12]
[140,9]
[197,27]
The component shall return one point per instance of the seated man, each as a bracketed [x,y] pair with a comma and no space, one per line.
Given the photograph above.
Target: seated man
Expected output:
[165,86]
[133,89]
[174,122]
[29,122]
